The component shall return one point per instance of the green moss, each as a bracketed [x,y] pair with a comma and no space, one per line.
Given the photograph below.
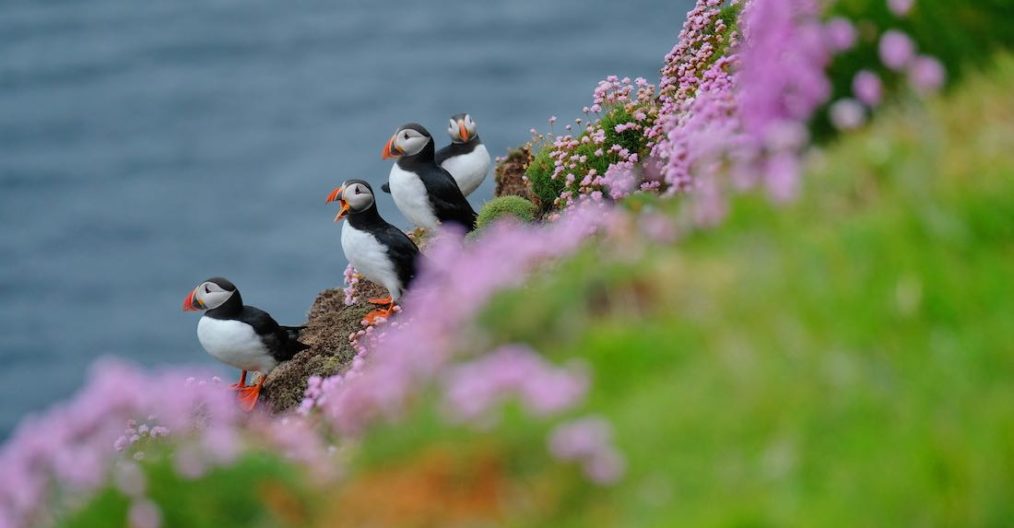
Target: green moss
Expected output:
[515,206]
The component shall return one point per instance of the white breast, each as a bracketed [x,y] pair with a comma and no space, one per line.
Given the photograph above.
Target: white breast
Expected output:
[234,343]
[469,170]
[370,258]
[410,196]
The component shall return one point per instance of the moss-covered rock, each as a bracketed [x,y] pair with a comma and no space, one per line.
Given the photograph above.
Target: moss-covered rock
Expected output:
[502,206]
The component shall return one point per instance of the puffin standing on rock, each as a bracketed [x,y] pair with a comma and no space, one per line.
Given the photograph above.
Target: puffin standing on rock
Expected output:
[241,336]
[425,193]
[379,251]
[466,158]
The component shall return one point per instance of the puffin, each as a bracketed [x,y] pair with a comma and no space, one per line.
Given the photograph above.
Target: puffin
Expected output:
[466,158]
[379,251]
[424,192]
[240,336]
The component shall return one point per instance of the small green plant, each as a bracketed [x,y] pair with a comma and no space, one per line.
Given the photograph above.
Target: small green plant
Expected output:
[502,206]
[540,176]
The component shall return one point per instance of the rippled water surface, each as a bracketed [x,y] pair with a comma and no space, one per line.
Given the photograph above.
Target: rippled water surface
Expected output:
[145,146]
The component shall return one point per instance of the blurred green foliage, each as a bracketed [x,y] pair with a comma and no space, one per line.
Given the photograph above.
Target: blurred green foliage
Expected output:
[256,491]
[845,360]
[964,36]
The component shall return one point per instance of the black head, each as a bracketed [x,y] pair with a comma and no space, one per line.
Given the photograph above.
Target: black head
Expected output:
[354,196]
[411,139]
[210,294]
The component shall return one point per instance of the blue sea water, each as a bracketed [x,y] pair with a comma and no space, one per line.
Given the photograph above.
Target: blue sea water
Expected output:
[145,146]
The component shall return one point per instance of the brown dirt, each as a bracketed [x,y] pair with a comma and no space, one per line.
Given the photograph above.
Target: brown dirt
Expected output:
[510,174]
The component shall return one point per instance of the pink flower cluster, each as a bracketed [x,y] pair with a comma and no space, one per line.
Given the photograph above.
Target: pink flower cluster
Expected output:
[351,280]
[472,389]
[417,352]
[582,161]
[71,449]
[588,441]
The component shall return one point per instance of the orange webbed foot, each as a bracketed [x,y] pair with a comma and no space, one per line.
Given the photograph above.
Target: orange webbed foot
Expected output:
[380,313]
[248,395]
[382,301]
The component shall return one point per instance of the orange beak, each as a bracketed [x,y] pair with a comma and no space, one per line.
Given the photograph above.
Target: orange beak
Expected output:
[462,131]
[390,150]
[336,195]
[190,302]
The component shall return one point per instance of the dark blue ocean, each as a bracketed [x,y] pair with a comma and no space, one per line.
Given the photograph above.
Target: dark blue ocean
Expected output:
[145,146]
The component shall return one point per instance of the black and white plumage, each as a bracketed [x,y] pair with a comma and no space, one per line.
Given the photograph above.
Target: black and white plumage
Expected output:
[425,193]
[466,158]
[241,336]
[378,250]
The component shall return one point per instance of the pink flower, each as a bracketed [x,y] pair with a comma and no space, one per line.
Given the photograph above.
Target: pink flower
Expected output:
[847,114]
[900,7]
[926,74]
[896,49]
[866,86]
[841,34]
[144,514]
[589,442]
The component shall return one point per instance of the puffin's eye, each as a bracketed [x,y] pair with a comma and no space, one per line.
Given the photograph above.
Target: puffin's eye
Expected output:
[207,289]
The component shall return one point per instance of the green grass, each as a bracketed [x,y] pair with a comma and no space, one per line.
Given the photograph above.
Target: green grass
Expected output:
[847,360]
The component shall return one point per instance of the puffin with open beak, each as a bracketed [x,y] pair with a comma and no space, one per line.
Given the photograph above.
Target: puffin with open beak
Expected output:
[240,336]
[466,158]
[423,191]
[379,251]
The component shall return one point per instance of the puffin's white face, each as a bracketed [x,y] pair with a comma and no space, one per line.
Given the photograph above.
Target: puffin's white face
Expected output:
[461,128]
[358,196]
[354,196]
[405,142]
[207,296]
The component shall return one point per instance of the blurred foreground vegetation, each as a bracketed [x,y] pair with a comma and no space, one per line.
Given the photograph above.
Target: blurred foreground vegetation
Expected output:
[843,360]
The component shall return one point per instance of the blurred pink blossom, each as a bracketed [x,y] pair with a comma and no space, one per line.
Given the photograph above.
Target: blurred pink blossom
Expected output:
[144,514]
[866,86]
[926,74]
[841,34]
[900,7]
[896,49]
[847,114]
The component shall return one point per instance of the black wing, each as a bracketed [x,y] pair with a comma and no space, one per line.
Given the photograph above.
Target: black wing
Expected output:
[402,251]
[282,341]
[445,196]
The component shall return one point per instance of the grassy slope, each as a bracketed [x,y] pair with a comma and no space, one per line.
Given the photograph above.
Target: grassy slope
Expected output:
[846,360]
